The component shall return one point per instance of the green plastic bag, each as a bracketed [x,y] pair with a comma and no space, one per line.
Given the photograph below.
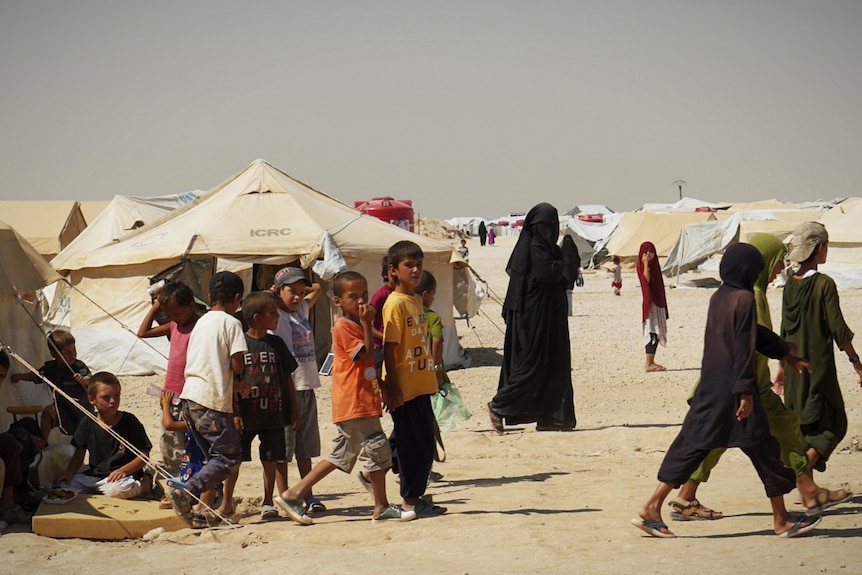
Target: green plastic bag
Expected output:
[448,407]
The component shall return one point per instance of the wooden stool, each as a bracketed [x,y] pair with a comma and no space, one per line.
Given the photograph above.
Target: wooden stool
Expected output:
[23,410]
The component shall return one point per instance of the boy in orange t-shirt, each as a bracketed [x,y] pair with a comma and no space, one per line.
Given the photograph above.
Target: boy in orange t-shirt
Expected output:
[356,408]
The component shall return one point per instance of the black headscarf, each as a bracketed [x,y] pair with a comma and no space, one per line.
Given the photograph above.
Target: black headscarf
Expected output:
[542,223]
[541,230]
[741,266]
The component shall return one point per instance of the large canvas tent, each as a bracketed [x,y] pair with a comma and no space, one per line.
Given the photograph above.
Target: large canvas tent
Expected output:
[660,229]
[22,271]
[49,226]
[259,217]
[117,218]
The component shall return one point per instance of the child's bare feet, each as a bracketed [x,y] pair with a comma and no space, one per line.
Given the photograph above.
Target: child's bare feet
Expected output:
[655,367]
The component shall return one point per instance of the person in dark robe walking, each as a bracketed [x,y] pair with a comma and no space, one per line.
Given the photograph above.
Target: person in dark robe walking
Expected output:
[726,409]
[536,378]
[483,234]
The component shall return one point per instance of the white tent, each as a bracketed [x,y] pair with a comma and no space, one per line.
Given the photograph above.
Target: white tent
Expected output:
[684,205]
[590,237]
[466,224]
[257,218]
[22,271]
[121,216]
[844,261]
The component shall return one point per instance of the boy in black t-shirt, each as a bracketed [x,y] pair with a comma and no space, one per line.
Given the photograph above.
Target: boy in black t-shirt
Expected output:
[113,469]
[271,405]
[69,374]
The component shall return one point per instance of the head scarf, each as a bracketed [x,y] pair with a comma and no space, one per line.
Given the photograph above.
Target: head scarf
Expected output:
[652,291]
[740,266]
[541,229]
[772,250]
[541,224]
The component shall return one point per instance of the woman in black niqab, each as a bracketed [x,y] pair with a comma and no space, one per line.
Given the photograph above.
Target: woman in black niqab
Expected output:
[535,380]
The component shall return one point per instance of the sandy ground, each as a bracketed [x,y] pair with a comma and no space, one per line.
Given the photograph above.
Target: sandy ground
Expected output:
[525,502]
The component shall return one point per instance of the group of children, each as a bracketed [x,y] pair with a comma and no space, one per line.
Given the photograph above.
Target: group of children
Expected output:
[262,386]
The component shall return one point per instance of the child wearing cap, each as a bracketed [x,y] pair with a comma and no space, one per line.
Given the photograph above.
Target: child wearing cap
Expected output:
[811,319]
[213,362]
[296,296]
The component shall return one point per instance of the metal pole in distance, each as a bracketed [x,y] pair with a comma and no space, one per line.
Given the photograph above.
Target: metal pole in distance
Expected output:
[679,184]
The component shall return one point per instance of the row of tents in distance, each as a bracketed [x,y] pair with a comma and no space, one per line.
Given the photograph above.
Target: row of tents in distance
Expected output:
[692,234]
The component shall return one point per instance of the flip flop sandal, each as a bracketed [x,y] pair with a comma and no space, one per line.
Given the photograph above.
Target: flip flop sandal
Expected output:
[653,528]
[800,528]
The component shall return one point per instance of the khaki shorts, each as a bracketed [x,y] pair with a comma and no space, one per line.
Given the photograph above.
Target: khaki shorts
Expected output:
[363,440]
[304,443]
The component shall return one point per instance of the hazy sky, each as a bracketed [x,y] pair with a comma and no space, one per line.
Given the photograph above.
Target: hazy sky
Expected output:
[466,107]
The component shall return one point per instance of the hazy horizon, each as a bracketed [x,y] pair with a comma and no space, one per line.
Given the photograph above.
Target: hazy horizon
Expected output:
[466,108]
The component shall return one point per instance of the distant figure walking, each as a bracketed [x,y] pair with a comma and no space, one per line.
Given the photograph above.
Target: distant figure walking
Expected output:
[483,234]
[491,235]
[617,270]
[536,378]
[654,308]
[571,268]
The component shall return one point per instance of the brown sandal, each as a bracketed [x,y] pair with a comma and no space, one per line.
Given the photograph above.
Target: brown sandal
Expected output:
[683,510]
[824,499]
[496,420]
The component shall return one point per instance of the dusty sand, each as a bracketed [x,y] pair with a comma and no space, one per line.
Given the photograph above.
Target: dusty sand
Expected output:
[525,502]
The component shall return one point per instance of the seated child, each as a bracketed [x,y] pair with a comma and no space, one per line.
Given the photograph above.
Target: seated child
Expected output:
[356,408]
[70,375]
[113,468]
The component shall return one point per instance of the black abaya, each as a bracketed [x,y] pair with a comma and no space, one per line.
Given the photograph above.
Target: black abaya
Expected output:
[535,380]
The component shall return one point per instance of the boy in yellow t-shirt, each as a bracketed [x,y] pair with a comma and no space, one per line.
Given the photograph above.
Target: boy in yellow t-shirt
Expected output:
[356,408]
[408,372]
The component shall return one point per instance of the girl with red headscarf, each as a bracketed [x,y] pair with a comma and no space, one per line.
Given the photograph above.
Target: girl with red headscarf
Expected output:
[654,308]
